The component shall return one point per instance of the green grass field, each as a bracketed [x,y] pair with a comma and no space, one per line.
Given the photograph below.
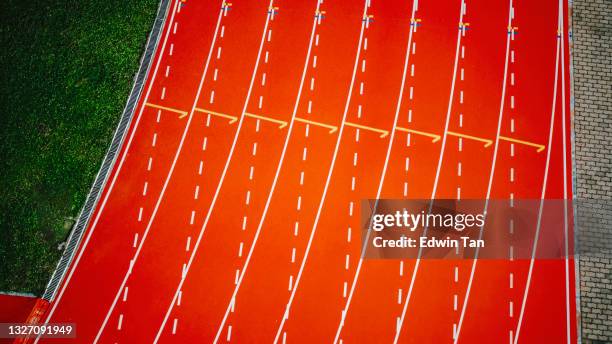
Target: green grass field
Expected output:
[66,69]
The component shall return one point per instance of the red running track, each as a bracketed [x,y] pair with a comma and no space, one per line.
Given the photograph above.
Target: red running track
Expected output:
[233,212]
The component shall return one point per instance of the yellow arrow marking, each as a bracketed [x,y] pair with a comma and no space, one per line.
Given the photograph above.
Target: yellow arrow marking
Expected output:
[232,119]
[332,128]
[487,142]
[435,137]
[181,112]
[531,144]
[282,123]
[383,133]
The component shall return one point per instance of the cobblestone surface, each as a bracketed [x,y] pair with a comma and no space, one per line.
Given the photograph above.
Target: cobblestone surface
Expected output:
[592,61]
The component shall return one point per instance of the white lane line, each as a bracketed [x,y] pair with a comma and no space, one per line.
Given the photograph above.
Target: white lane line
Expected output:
[400,321]
[509,54]
[565,181]
[222,177]
[328,180]
[112,184]
[161,195]
[273,186]
[542,196]
[466,299]
[382,176]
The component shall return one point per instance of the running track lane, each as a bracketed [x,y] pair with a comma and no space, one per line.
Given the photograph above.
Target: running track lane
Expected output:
[198,170]
[286,228]
[498,287]
[153,141]
[382,285]
[466,164]
[335,248]
[234,219]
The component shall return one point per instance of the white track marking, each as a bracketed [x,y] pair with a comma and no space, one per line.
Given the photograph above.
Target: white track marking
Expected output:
[466,299]
[328,180]
[112,184]
[273,188]
[542,197]
[382,178]
[222,178]
[492,173]
[161,195]
[400,321]
[565,181]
